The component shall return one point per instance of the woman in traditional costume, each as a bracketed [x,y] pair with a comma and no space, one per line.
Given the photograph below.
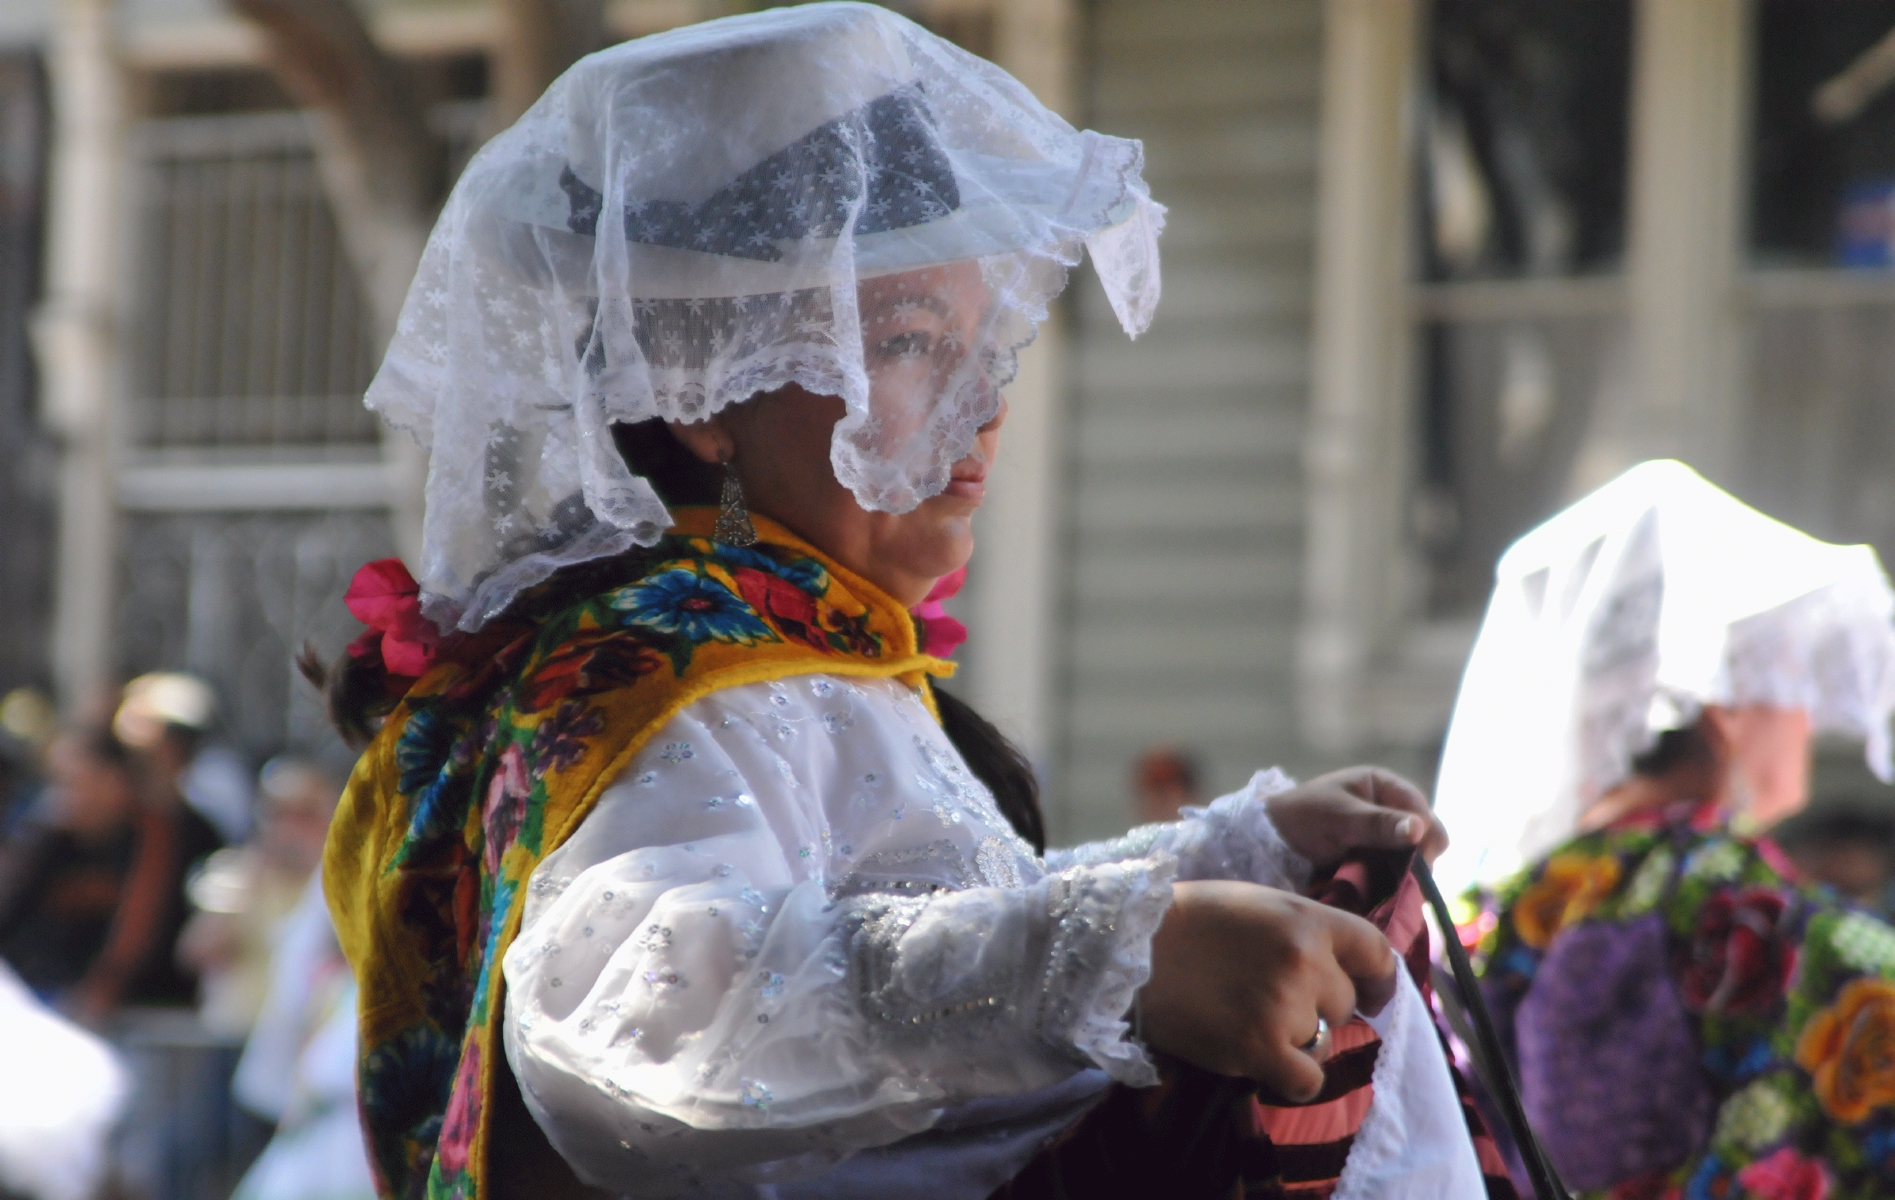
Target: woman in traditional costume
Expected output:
[1686,1016]
[668,870]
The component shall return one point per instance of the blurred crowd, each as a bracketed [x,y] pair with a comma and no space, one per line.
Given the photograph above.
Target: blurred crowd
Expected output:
[161,914]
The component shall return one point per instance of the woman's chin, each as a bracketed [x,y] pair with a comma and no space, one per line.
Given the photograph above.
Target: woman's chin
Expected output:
[939,546]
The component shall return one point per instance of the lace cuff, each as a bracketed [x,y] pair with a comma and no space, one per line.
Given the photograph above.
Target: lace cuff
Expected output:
[1232,839]
[1241,842]
[1104,918]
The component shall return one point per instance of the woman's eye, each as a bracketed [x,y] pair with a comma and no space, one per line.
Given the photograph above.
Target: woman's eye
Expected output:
[913,344]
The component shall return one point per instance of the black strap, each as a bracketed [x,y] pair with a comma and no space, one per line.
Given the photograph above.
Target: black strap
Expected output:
[1490,1059]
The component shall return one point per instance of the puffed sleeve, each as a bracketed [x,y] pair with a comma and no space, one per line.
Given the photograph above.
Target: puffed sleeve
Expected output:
[1232,838]
[798,927]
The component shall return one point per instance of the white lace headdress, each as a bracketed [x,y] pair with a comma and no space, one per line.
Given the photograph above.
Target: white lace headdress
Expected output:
[682,222]
[1618,619]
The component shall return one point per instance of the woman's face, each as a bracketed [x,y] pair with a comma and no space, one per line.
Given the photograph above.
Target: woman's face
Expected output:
[1770,753]
[917,327]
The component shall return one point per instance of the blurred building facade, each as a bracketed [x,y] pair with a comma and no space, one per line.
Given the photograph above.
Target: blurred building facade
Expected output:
[1431,270]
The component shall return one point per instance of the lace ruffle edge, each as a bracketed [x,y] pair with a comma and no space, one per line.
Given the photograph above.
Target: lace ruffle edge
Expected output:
[1379,1142]
[1254,820]
[1104,920]
[1242,842]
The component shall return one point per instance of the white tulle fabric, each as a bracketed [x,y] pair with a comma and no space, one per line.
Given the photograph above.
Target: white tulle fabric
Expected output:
[824,195]
[798,929]
[1618,619]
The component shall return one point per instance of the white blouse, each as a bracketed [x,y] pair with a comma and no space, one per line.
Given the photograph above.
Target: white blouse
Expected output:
[798,929]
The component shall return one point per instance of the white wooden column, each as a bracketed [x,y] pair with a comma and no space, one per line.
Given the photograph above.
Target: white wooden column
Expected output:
[75,335]
[1357,578]
[1014,578]
[1690,108]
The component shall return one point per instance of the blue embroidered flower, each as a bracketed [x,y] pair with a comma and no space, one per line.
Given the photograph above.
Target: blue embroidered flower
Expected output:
[1711,1181]
[1519,961]
[426,755]
[696,607]
[1759,1056]
[423,750]
[405,1083]
[1878,1147]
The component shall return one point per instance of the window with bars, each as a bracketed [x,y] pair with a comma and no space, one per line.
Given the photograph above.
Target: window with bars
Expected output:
[251,330]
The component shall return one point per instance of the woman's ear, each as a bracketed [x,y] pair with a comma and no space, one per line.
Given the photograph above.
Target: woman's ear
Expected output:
[709,440]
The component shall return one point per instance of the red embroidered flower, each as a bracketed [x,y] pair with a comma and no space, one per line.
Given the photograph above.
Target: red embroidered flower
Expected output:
[387,599]
[594,661]
[791,609]
[1739,958]
[1785,1175]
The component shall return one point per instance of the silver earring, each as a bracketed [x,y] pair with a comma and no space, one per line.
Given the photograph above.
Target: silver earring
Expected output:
[733,526]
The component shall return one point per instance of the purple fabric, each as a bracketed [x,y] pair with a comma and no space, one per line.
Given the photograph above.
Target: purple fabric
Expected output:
[1609,1058]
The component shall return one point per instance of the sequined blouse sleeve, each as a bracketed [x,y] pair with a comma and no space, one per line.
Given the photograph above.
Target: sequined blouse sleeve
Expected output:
[1232,838]
[798,927]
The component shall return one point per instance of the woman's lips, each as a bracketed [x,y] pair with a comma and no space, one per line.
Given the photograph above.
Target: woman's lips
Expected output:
[969,481]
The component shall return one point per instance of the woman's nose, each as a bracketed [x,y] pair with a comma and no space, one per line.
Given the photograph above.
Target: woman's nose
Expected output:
[1000,414]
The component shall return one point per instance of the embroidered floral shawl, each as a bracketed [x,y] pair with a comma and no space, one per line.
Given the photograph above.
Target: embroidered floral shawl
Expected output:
[1788,996]
[495,756]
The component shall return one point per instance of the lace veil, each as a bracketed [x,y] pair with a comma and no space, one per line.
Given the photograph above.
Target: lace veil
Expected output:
[1618,619]
[689,219]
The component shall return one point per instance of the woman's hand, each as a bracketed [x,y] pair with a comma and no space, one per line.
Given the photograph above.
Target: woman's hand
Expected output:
[1356,808]
[1240,973]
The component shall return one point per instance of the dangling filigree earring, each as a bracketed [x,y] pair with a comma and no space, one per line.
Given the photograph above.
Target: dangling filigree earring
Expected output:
[733,519]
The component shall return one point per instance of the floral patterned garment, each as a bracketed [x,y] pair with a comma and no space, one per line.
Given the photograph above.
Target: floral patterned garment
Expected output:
[1667,971]
[495,755]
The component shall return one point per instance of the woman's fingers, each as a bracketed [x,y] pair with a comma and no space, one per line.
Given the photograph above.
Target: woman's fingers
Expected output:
[1240,974]
[1370,827]
[1367,959]
[1415,822]
[1289,1071]
[1358,808]
[1300,1042]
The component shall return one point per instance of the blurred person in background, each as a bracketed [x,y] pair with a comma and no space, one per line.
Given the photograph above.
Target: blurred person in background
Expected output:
[167,717]
[243,894]
[298,1068]
[27,728]
[92,890]
[1848,843]
[65,872]
[1685,1018]
[1164,781]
